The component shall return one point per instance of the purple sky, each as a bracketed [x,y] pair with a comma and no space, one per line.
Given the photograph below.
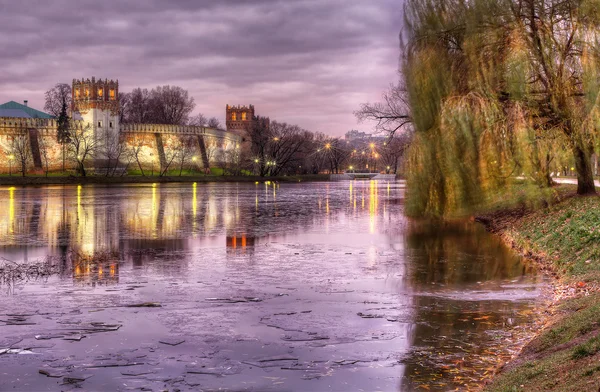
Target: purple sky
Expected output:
[307,62]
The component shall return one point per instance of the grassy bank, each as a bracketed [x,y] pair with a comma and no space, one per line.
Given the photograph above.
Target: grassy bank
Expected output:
[564,238]
[139,179]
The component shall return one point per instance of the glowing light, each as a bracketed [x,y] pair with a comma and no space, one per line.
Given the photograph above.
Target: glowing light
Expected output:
[328,146]
[11,208]
[373,204]
[194,159]
[194,201]
[372,145]
[79,203]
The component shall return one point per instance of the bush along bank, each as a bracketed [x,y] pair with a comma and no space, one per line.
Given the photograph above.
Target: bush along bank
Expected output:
[564,239]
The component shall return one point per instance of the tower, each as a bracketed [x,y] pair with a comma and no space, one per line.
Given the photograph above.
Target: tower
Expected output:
[97,101]
[239,119]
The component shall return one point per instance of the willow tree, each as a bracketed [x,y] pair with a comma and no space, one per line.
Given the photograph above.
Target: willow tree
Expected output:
[493,87]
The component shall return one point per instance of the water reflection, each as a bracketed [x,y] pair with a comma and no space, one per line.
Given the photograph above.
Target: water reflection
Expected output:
[431,293]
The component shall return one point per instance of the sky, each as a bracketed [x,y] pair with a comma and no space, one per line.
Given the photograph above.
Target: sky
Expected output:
[305,62]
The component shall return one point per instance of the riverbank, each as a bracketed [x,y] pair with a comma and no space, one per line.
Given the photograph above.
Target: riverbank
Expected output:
[564,240]
[58,180]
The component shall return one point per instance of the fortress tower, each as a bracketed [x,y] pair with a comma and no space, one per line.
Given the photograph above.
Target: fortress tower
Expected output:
[239,119]
[97,101]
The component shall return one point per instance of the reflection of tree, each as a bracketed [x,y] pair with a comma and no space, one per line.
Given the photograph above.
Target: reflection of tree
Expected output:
[451,339]
[457,254]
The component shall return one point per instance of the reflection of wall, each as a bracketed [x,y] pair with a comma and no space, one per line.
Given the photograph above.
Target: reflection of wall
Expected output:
[97,269]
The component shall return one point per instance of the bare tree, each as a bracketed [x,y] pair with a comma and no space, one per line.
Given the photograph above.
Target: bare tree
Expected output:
[124,107]
[172,148]
[199,120]
[45,149]
[212,148]
[55,97]
[171,105]
[277,147]
[82,146]
[111,148]
[185,151]
[393,150]
[135,146]
[19,148]
[138,107]
[214,122]
[336,151]
[390,115]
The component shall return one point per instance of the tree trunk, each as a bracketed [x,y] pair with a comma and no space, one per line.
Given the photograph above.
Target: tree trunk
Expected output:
[82,169]
[585,176]
[547,177]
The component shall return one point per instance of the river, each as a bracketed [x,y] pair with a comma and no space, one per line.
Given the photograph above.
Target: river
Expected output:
[250,287]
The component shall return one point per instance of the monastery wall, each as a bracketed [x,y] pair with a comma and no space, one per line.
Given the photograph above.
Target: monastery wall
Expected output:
[148,145]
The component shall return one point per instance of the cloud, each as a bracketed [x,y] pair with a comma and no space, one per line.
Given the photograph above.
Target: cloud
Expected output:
[310,62]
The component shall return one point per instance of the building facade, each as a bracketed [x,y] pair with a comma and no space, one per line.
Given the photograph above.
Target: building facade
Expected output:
[28,136]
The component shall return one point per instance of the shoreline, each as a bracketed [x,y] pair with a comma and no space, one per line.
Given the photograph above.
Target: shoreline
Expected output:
[76,180]
[554,347]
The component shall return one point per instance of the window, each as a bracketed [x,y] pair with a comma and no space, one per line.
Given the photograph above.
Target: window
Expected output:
[112,93]
[99,124]
[100,92]
[77,93]
[87,92]
[110,124]
[244,116]
[233,116]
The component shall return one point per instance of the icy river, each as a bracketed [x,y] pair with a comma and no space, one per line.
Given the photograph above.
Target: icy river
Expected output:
[250,287]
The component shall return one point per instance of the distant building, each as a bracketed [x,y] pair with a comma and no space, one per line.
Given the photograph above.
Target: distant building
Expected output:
[239,119]
[95,118]
[357,135]
[17,110]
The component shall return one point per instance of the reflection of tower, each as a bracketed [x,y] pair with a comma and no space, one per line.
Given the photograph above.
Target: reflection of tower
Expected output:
[97,101]
[239,119]
[240,243]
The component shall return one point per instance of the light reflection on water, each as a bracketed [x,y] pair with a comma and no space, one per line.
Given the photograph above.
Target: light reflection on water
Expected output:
[343,249]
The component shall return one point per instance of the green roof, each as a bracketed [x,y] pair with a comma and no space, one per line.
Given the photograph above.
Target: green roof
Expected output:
[14,109]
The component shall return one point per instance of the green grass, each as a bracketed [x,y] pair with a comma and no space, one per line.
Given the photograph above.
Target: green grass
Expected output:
[567,234]
[565,356]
